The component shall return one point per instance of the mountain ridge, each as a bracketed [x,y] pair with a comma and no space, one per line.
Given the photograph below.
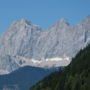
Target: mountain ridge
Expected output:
[29,41]
[28,74]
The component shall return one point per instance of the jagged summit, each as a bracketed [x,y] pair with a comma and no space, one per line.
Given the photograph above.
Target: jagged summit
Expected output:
[86,20]
[23,21]
[88,16]
[63,21]
[19,25]
[22,26]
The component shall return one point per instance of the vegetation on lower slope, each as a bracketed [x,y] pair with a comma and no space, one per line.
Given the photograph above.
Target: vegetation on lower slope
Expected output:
[76,76]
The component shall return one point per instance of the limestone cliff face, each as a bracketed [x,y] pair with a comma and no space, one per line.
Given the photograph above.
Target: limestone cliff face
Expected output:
[27,40]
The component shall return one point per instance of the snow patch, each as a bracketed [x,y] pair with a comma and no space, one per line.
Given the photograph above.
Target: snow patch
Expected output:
[57,59]
[3,72]
[49,62]
[36,61]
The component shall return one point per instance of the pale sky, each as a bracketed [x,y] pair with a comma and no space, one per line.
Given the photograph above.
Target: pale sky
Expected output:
[42,12]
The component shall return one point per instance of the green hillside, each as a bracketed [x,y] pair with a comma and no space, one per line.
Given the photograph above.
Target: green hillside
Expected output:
[76,76]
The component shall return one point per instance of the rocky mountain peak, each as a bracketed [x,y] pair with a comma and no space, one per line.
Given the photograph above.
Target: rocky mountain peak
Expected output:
[88,16]
[21,26]
[63,21]
[85,21]
[23,21]
[60,24]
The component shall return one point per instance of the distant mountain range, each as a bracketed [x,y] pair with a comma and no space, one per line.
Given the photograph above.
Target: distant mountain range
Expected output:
[23,78]
[26,44]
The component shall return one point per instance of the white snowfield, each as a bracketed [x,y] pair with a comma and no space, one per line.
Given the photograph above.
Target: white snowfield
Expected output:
[2,72]
[57,59]
[44,63]
[51,62]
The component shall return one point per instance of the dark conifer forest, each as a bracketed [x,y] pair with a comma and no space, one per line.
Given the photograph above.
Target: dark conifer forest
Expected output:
[76,76]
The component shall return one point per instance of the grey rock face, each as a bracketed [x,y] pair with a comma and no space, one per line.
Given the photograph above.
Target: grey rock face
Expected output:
[29,41]
[8,64]
[19,38]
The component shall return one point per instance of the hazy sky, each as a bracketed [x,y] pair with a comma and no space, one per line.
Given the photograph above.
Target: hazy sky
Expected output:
[42,12]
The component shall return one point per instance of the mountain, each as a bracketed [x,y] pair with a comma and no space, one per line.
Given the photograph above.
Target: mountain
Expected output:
[76,76]
[26,44]
[23,78]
